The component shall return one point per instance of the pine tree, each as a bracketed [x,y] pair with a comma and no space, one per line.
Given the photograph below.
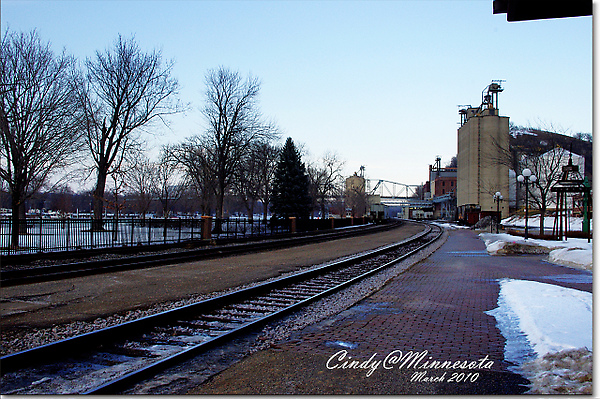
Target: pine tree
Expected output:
[290,188]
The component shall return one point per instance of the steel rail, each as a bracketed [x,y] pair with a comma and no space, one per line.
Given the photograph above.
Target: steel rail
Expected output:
[104,338]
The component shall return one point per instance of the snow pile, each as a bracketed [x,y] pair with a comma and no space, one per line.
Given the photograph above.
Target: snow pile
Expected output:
[565,372]
[548,331]
[506,244]
[450,226]
[575,252]
[574,257]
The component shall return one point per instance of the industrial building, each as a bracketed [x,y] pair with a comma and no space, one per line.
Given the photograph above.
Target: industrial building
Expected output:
[356,201]
[442,190]
[483,180]
[483,138]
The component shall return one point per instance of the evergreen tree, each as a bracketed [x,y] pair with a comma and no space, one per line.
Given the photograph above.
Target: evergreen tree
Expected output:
[290,188]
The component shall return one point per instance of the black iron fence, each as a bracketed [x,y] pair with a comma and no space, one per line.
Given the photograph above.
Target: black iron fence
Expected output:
[38,235]
[47,235]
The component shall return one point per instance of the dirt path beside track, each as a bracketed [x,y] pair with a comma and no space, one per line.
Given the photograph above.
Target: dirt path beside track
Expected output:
[86,298]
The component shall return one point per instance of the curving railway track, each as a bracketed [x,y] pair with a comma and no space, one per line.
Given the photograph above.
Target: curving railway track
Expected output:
[110,360]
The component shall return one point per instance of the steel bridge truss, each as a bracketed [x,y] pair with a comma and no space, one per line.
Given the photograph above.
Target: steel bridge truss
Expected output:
[391,190]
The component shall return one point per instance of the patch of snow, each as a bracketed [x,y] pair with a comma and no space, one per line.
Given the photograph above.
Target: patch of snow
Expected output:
[522,132]
[553,318]
[547,326]
[574,252]
[493,247]
[578,258]
[575,223]
[449,226]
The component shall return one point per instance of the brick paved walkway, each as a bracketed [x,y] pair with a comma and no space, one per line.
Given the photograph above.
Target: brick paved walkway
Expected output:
[436,306]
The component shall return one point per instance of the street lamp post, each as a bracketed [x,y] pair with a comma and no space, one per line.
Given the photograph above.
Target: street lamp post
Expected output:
[525,177]
[497,199]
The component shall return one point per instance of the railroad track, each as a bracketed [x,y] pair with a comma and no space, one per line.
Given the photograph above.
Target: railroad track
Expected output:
[110,360]
[88,267]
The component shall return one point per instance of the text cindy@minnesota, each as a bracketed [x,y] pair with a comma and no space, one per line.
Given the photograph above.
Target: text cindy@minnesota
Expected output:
[409,360]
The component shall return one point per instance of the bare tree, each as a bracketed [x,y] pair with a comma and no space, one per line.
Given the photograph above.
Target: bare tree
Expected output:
[326,180]
[138,179]
[528,143]
[584,136]
[168,182]
[235,123]
[247,182]
[115,200]
[40,132]
[268,157]
[547,168]
[193,157]
[125,89]
[253,179]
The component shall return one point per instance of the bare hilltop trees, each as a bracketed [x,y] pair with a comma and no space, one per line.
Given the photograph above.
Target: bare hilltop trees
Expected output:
[124,89]
[40,120]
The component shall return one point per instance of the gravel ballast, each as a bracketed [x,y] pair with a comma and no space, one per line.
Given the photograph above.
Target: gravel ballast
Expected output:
[37,314]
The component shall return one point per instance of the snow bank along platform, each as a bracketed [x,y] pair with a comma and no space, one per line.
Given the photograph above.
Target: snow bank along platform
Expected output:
[426,331]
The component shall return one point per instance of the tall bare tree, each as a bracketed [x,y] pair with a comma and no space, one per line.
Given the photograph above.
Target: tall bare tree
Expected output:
[194,158]
[247,183]
[125,89]
[268,157]
[169,181]
[326,180]
[40,132]
[254,178]
[547,168]
[138,179]
[543,152]
[234,124]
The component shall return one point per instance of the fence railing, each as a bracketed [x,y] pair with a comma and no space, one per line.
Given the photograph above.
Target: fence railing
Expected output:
[48,235]
[38,235]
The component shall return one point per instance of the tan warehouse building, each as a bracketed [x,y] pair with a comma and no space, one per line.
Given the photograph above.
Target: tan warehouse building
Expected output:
[483,140]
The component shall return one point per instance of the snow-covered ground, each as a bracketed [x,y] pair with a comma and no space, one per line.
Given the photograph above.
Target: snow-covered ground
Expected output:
[575,223]
[574,252]
[548,331]
[450,226]
[548,328]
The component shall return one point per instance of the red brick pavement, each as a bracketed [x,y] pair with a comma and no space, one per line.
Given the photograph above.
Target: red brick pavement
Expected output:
[438,305]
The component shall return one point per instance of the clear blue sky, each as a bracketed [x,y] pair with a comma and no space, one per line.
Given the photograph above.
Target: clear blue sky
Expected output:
[377,82]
